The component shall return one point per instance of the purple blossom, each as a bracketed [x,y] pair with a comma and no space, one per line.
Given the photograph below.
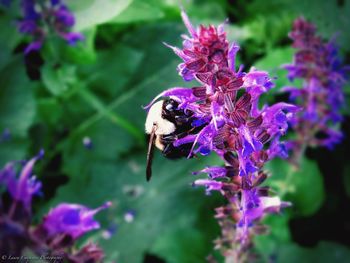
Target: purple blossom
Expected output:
[239,220]
[233,119]
[25,186]
[58,230]
[211,185]
[225,106]
[72,37]
[71,219]
[43,17]
[253,207]
[217,171]
[317,63]
[204,50]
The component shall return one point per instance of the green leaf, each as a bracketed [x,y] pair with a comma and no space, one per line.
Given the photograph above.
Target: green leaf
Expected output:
[12,150]
[294,184]
[49,110]
[271,20]
[173,245]
[237,34]
[165,204]
[278,234]
[273,62]
[17,110]
[157,56]
[96,12]
[206,12]
[143,94]
[174,242]
[108,83]
[83,52]
[114,117]
[140,11]
[336,22]
[324,252]
[8,40]
[17,106]
[58,79]
[108,141]
[269,23]
[147,80]
[112,71]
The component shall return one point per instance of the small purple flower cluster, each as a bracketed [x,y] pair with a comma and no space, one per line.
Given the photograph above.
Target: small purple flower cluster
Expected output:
[58,230]
[245,136]
[41,18]
[317,63]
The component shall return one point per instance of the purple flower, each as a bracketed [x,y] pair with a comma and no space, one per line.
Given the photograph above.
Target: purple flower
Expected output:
[58,230]
[38,16]
[204,50]
[29,10]
[25,186]
[234,123]
[64,16]
[72,37]
[233,119]
[211,185]
[240,219]
[225,107]
[71,219]
[253,207]
[317,63]
[218,172]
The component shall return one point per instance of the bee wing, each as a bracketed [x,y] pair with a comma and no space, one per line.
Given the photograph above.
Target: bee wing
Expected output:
[150,153]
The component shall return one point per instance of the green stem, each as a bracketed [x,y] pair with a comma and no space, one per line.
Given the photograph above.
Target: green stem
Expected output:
[113,117]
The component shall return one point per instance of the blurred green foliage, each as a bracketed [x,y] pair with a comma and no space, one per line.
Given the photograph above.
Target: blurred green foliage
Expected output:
[96,89]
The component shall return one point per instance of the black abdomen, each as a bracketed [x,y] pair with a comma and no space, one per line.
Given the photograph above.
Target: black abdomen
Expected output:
[184,123]
[172,152]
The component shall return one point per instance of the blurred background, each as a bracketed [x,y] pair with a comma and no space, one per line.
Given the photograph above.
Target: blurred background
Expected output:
[82,104]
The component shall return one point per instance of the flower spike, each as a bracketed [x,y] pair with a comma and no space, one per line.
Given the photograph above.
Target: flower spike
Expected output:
[229,123]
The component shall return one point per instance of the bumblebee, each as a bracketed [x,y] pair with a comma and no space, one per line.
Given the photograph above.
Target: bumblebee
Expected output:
[166,123]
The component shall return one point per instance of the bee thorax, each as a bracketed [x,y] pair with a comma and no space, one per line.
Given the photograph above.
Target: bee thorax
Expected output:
[154,118]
